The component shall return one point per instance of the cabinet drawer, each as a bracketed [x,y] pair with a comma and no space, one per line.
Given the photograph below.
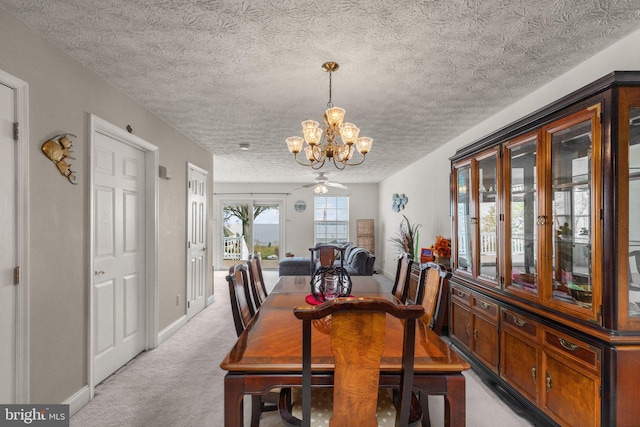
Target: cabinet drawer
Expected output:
[573,348]
[486,308]
[520,324]
[460,294]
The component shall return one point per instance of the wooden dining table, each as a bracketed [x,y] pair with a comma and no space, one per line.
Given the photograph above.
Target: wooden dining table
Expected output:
[268,354]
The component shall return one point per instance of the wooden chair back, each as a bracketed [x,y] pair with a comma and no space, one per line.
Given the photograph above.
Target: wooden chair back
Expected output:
[402,277]
[241,305]
[430,296]
[325,256]
[357,341]
[258,288]
[415,283]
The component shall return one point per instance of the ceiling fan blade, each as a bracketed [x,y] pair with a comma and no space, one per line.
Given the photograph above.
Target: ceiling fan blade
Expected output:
[336,185]
[309,185]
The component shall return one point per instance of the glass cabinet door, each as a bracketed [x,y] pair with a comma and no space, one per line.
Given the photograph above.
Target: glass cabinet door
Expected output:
[573,173]
[463,254]
[487,217]
[628,241]
[634,208]
[521,207]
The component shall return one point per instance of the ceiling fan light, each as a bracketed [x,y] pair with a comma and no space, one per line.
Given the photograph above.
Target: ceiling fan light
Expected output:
[294,143]
[334,116]
[320,189]
[349,133]
[364,144]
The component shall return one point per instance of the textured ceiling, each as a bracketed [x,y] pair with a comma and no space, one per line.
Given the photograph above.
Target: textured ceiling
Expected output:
[413,74]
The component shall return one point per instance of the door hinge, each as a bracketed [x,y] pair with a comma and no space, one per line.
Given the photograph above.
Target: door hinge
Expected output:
[601,118]
[16,131]
[16,276]
[189,185]
[189,245]
[188,304]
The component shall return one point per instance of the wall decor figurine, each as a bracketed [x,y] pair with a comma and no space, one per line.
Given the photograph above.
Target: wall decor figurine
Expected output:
[57,149]
[399,201]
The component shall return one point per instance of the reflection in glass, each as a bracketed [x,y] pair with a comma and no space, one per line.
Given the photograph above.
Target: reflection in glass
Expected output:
[523,208]
[463,244]
[634,208]
[488,217]
[571,209]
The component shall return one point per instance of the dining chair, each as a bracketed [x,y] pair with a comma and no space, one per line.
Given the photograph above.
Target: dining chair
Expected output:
[430,294]
[256,281]
[325,256]
[243,312]
[402,277]
[241,305]
[357,328]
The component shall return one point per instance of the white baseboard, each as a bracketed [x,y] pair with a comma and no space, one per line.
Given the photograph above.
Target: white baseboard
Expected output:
[211,300]
[168,332]
[78,400]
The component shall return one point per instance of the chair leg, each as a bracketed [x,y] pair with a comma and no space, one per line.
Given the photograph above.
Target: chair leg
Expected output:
[256,410]
[424,402]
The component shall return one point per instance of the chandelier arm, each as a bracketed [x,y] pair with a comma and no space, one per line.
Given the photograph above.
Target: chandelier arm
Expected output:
[356,164]
[317,165]
[295,156]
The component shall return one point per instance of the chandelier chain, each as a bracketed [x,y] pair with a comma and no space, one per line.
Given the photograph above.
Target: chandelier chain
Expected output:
[330,104]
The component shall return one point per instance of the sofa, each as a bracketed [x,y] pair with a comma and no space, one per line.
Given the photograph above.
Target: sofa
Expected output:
[357,261]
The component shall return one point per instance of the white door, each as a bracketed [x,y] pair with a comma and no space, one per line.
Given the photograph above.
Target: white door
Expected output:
[119,254]
[196,239]
[8,255]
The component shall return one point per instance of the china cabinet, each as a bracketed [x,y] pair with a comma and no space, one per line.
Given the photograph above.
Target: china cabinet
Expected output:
[545,291]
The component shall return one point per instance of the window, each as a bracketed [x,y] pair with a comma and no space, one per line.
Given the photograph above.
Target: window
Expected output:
[331,220]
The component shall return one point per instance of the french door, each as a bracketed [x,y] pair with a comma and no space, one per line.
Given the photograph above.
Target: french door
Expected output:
[251,226]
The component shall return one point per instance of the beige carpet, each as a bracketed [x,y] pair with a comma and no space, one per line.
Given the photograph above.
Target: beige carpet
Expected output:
[181,384]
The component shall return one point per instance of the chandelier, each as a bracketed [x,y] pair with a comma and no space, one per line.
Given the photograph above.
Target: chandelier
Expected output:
[322,143]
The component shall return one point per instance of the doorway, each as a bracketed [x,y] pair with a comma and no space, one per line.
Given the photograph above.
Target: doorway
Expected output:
[252,226]
[14,303]
[123,212]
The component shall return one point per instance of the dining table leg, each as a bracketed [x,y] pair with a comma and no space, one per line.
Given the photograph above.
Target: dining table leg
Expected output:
[233,400]
[455,401]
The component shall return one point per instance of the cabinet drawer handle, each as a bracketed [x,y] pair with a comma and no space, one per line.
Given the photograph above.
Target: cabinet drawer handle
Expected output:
[542,220]
[568,345]
[484,305]
[549,384]
[518,321]
[460,294]
[468,327]
[533,374]
[475,334]
[473,220]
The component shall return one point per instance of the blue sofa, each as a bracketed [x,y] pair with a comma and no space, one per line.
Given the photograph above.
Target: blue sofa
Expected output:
[357,261]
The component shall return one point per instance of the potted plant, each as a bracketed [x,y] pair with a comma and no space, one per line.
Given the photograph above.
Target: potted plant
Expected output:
[406,238]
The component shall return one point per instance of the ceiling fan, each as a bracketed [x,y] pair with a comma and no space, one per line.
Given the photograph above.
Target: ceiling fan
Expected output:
[321,184]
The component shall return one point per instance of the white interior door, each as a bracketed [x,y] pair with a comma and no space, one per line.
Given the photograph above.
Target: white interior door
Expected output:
[8,255]
[196,240]
[119,328]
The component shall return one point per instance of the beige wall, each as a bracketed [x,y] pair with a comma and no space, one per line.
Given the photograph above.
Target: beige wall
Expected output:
[363,204]
[426,181]
[62,94]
